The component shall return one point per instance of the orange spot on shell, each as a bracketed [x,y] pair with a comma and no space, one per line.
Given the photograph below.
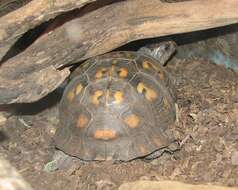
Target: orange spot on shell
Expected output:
[99,74]
[96,96]
[118,97]
[82,121]
[146,65]
[105,134]
[123,72]
[149,93]
[132,121]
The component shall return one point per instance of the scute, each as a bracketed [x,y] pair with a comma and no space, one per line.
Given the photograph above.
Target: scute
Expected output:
[117,106]
[147,65]
[75,89]
[112,68]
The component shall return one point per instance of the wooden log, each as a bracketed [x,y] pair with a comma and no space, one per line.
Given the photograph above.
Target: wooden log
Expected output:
[16,23]
[100,31]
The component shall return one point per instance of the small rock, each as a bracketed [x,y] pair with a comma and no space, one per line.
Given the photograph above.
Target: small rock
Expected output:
[234,158]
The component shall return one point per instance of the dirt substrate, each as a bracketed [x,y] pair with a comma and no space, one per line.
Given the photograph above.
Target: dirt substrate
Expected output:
[207,127]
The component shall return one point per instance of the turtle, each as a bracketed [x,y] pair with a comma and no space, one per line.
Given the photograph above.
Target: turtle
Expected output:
[119,106]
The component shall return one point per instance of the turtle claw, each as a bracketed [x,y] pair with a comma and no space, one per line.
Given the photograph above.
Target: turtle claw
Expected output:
[61,161]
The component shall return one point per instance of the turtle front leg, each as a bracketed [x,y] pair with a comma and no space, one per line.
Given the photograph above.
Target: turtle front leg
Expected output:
[61,161]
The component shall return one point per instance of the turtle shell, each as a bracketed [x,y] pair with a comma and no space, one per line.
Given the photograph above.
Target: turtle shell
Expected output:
[117,106]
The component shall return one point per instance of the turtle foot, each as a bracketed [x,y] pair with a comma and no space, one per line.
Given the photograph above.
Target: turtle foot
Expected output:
[61,161]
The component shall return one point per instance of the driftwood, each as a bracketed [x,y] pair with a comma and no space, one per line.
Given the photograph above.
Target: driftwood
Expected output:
[16,23]
[35,72]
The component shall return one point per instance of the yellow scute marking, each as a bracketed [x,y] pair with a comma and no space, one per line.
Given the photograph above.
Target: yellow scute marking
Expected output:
[96,96]
[146,65]
[82,121]
[149,93]
[79,88]
[114,62]
[105,134]
[132,121]
[118,97]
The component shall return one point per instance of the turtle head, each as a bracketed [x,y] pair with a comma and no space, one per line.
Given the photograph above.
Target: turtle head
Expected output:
[160,51]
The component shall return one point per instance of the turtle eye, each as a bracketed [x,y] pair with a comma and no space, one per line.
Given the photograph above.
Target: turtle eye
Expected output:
[166,47]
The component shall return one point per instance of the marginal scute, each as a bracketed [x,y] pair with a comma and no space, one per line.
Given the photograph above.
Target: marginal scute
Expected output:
[105,134]
[132,121]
